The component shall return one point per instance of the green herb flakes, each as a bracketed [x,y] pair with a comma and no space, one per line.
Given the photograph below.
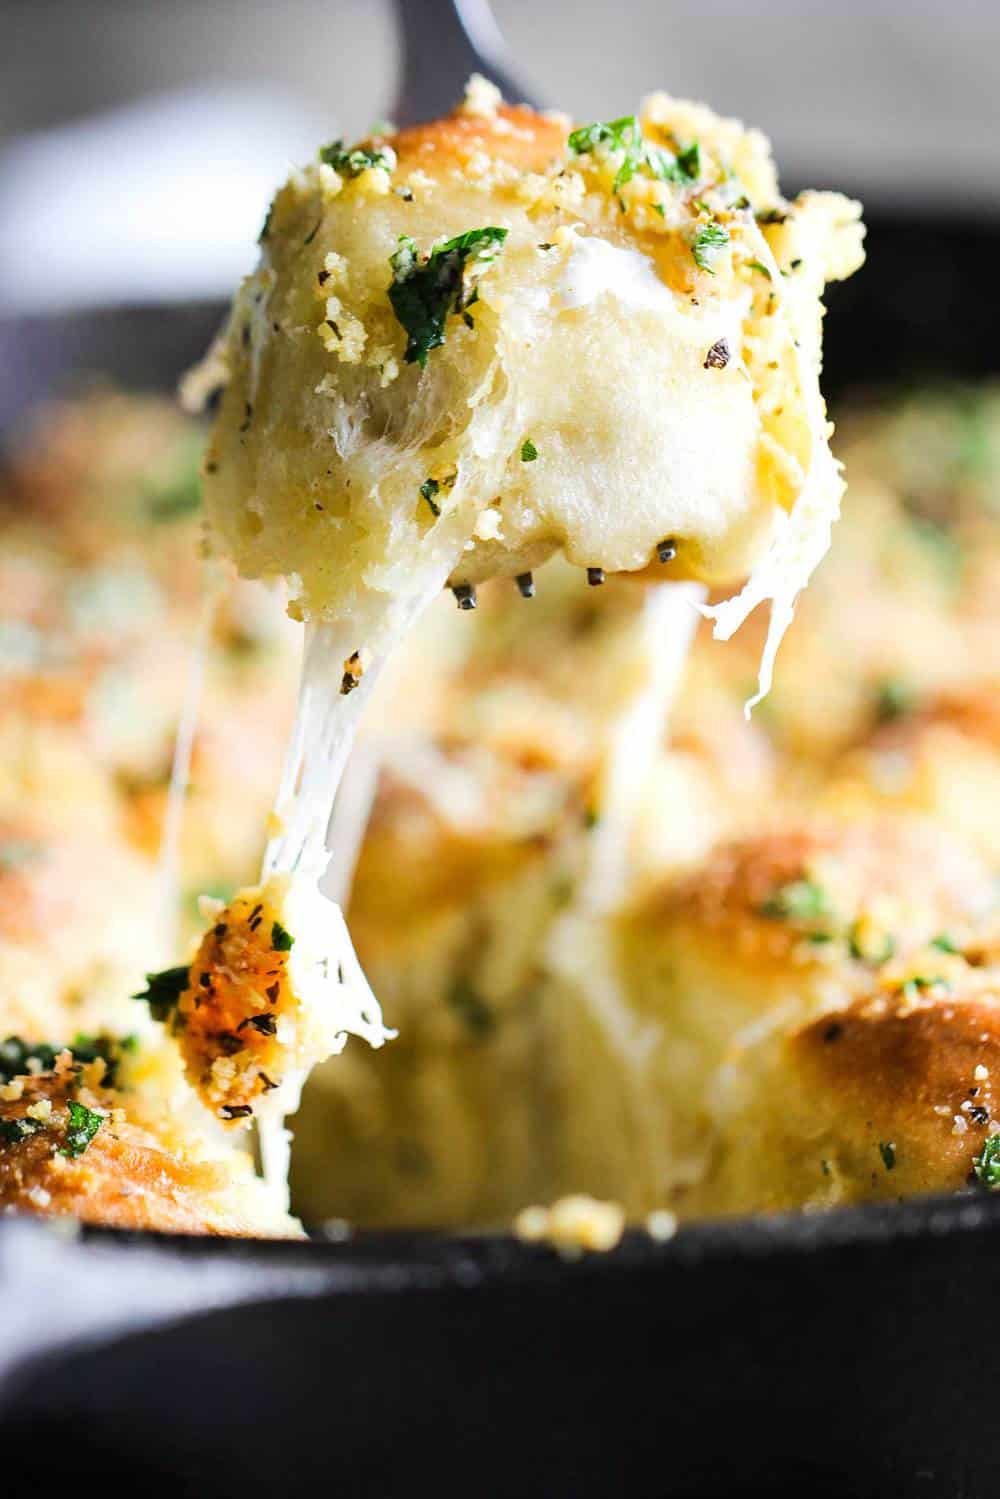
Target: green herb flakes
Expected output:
[428,489]
[13,1131]
[986,1165]
[471,1008]
[19,1058]
[799,900]
[353,163]
[914,987]
[281,940]
[625,136]
[163,990]
[528,451]
[894,698]
[81,1129]
[709,241]
[426,289]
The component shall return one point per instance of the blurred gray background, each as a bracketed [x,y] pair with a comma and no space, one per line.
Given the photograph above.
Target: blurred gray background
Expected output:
[141,138]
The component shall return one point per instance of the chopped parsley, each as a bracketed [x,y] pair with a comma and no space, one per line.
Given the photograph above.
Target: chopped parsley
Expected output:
[986,1165]
[944,943]
[689,163]
[428,489]
[471,1008]
[173,501]
[18,1058]
[625,136]
[81,1129]
[914,987]
[353,163]
[426,289]
[528,451]
[163,990]
[13,1131]
[710,239]
[758,265]
[887,1151]
[281,940]
[799,900]
[894,698]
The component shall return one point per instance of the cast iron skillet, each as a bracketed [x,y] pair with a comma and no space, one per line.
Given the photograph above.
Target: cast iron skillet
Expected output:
[848,1354]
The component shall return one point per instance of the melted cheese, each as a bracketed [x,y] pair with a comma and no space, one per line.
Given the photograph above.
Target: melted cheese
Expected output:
[666,397]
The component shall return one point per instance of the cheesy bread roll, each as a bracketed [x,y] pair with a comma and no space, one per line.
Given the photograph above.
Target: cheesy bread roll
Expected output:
[767,933]
[71,1143]
[493,337]
[938,757]
[892,1097]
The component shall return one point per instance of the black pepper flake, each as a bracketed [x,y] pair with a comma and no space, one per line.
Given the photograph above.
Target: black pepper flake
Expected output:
[833,1031]
[265,1024]
[525,585]
[235,1111]
[221,929]
[331,324]
[269,1086]
[256,911]
[979,1115]
[228,1043]
[211,467]
[247,417]
[718,355]
[254,922]
[272,991]
[323,277]
[666,550]
[595,576]
[465,595]
[205,980]
[312,234]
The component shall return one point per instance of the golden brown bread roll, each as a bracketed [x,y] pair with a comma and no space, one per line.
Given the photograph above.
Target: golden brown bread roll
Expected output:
[476,343]
[70,1145]
[768,933]
[892,1097]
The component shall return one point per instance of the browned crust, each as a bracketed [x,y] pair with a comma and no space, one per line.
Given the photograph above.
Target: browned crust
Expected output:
[126,1178]
[901,1071]
[515,134]
[884,856]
